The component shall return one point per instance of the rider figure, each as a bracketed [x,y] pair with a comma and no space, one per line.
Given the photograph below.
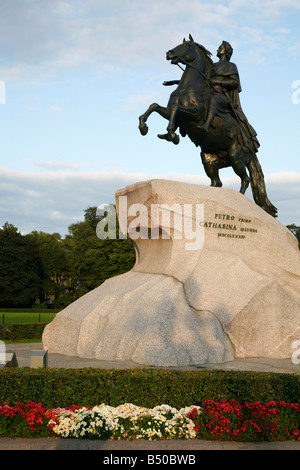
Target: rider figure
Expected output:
[226,88]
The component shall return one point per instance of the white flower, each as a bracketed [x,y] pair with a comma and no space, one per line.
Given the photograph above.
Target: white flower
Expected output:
[165,421]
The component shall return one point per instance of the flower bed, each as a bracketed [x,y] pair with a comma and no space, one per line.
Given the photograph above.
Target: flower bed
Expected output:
[224,420]
[229,420]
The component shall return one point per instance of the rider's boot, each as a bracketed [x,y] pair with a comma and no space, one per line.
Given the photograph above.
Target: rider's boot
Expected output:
[170,137]
[204,128]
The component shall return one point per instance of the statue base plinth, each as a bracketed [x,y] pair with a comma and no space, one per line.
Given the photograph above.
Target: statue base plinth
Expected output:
[231,292]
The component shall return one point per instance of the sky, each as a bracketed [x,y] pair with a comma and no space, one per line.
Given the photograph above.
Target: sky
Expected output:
[76,75]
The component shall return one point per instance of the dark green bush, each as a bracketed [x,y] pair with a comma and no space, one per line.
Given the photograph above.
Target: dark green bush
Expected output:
[19,331]
[143,387]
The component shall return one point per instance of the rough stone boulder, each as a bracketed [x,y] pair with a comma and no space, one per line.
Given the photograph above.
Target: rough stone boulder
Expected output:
[216,278]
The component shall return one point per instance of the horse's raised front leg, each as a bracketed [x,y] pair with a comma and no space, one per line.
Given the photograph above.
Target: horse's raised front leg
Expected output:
[172,136]
[190,111]
[154,107]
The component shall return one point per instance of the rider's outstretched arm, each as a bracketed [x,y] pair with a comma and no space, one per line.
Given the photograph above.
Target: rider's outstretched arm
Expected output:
[171,82]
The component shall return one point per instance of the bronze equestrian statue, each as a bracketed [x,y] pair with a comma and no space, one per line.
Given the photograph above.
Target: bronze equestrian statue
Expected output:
[206,107]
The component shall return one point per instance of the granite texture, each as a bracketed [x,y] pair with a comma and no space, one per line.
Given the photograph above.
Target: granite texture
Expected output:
[232,291]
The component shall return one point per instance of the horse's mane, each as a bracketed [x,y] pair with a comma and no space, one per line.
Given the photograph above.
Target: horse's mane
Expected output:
[207,56]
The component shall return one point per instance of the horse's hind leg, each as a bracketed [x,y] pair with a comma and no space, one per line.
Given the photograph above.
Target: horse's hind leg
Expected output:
[235,156]
[154,107]
[211,164]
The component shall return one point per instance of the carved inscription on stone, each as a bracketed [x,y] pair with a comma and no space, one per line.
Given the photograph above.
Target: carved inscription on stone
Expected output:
[230,226]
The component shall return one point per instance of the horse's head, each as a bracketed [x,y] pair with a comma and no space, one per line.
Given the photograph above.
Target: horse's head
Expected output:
[187,52]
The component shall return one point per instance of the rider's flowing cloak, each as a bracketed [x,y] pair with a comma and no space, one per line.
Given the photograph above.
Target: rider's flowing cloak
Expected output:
[228,71]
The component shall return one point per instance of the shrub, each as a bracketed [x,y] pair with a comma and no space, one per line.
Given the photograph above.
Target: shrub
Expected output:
[143,387]
[20,331]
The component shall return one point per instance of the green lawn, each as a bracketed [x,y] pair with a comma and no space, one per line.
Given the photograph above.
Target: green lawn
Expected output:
[7,318]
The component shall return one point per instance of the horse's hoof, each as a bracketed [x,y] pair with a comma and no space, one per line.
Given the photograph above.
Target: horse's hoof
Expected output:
[175,139]
[245,185]
[216,184]
[164,137]
[143,129]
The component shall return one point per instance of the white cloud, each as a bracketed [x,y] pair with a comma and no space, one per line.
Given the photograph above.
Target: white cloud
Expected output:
[41,38]
[285,177]
[57,165]
[51,201]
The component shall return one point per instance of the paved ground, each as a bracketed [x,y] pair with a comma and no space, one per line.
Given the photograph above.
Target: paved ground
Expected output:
[117,447]
[23,353]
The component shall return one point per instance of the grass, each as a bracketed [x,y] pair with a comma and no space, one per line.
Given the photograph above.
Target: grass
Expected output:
[23,326]
[8,318]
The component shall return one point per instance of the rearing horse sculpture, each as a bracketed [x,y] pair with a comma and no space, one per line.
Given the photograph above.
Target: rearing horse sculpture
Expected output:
[187,111]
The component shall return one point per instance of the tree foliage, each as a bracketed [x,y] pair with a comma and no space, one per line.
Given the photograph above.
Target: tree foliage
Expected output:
[54,259]
[42,266]
[93,260]
[46,266]
[20,268]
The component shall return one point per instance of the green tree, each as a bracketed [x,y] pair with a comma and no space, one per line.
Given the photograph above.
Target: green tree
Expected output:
[20,268]
[94,260]
[54,259]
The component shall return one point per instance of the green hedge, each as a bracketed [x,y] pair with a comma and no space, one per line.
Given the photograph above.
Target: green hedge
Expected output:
[19,331]
[143,387]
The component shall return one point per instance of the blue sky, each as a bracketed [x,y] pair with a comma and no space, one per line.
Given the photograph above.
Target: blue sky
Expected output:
[77,75]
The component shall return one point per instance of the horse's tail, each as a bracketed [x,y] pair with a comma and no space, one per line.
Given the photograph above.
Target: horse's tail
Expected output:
[258,187]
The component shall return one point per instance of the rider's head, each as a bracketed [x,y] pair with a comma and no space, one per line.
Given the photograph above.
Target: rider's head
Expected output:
[225,49]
